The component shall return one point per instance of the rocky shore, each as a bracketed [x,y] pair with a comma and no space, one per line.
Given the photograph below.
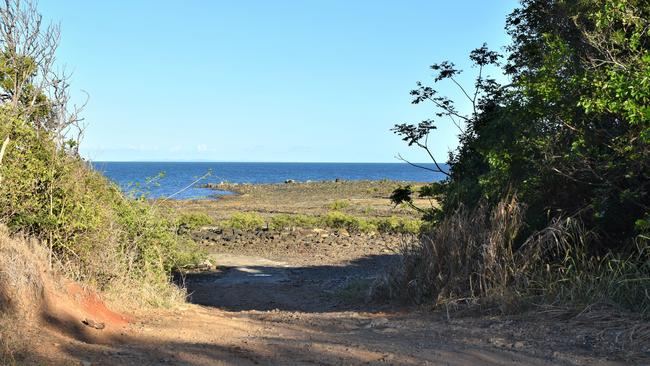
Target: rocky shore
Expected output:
[329,246]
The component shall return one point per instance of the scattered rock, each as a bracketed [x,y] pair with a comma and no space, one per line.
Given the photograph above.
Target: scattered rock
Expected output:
[93,324]
[183,229]
[378,323]
[206,265]
[499,342]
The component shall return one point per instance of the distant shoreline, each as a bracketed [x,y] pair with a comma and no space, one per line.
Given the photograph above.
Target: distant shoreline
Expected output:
[161,180]
[223,190]
[212,185]
[251,162]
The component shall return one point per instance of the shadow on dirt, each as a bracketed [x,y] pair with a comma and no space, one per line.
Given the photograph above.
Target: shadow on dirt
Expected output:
[320,347]
[322,288]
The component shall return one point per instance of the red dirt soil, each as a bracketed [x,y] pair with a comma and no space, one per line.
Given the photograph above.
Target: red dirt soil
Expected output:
[79,314]
[95,308]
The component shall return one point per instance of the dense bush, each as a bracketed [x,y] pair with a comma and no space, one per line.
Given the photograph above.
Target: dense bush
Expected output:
[339,220]
[569,135]
[92,231]
[339,205]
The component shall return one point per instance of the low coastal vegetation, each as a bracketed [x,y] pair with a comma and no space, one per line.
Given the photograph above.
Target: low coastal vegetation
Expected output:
[332,220]
[547,198]
[354,206]
[339,204]
[186,221]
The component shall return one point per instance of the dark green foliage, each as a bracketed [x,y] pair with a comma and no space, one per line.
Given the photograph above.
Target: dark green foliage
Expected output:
[569,137]
[570,134]
[580,67]
[433,191]
[402,195]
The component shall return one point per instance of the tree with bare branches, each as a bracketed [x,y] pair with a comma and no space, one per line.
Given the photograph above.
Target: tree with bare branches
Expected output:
[32,85]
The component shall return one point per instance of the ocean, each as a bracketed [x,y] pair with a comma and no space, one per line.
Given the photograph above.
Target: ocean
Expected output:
[143,177]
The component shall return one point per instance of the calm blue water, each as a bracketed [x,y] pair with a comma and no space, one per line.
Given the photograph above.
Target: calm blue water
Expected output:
[179,175]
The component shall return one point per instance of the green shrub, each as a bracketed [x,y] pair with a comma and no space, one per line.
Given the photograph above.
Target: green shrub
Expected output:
[390,224]
[367,226]
[395,224]
[245,221]
[339,220]
[284,221]
[339,205]
[194,220]
[333,219]
[412,226]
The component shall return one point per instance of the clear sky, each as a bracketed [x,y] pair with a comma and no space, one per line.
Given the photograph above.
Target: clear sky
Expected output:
[263,80]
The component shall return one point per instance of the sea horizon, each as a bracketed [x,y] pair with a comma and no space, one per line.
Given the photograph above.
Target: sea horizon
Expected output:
[158,179]
[259,162]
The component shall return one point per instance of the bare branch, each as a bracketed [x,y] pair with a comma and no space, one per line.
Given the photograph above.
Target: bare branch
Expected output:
[464,92]
[425,146]
[437,170]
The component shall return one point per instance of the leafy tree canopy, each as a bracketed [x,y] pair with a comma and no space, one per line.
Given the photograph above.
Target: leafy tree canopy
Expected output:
[569,135]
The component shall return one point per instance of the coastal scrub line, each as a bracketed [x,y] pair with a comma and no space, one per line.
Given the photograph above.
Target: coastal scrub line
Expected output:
[333,220]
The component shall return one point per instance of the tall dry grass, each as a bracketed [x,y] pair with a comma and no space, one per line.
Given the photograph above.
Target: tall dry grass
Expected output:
[23,265]
[472,257]
[467,255]
[557,263]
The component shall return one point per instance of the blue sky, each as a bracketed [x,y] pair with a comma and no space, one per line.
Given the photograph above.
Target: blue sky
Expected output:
[263,80]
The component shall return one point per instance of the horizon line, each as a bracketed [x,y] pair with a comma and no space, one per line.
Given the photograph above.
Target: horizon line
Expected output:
[257,162]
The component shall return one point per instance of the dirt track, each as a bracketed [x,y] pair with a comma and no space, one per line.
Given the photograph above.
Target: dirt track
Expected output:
[257,311]
[290,301]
